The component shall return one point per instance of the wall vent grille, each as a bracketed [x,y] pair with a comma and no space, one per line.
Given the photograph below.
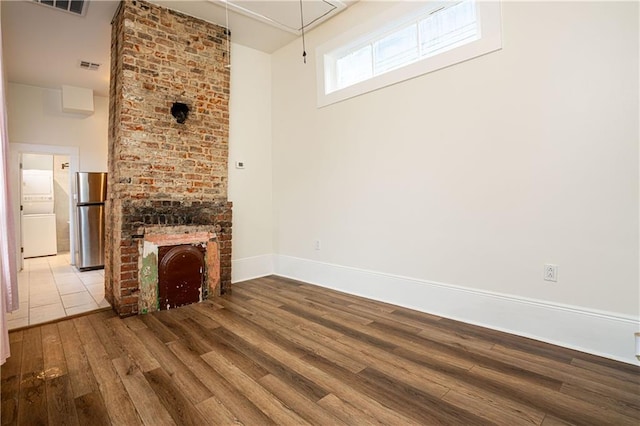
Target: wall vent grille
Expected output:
[77,7]
[92,66]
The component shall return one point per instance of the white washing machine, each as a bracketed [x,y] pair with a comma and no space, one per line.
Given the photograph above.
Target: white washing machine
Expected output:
[39,235]
[38,218]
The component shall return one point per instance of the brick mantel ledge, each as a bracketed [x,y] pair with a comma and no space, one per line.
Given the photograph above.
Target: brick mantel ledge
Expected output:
[177,239]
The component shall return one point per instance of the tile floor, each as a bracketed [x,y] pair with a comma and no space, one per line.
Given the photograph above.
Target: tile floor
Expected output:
[50,288]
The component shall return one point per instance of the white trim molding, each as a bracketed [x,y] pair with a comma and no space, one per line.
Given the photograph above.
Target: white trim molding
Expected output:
[600,333]
[251,267]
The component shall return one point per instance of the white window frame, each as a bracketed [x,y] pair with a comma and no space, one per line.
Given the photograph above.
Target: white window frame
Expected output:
[490,40]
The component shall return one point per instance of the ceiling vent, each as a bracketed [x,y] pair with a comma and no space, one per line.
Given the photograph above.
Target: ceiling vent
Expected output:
[92,66]
[77,7]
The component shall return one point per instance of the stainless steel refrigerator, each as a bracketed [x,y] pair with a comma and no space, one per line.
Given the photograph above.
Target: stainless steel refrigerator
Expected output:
[92,192]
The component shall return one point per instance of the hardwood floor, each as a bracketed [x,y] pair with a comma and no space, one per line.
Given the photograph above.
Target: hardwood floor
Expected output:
[282,352]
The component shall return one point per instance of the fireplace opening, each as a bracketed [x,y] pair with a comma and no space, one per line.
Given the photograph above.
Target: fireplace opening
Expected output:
[177,266]
[181,275]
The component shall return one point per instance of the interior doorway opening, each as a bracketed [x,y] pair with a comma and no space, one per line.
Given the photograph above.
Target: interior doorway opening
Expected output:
[37,159]
[45,197]
[49,286]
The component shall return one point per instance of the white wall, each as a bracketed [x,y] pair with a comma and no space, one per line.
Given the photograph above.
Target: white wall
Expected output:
[35,117]
[474,176]
[250,188]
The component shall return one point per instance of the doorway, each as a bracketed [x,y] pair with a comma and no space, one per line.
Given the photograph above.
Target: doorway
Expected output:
[62,184]
[45,194]
[49,286]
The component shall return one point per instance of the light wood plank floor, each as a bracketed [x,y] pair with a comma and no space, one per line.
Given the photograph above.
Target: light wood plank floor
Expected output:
[282,352]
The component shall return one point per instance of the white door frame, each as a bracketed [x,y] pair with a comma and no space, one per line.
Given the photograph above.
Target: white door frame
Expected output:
[16,150]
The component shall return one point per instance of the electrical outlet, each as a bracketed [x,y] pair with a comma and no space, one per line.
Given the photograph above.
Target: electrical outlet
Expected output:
[316,245]
[550,272]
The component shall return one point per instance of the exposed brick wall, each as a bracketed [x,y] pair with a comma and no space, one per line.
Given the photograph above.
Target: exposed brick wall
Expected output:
[162,172]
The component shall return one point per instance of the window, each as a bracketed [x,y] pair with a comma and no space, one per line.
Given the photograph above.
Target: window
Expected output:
[414,43]
[354,67]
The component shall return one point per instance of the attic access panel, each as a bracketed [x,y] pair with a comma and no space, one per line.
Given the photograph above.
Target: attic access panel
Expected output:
[286,14]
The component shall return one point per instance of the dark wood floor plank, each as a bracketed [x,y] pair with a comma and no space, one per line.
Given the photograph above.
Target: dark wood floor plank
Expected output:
[119,406]
[230,315]
[415,401]
[134,323]
[629,406]
[405,370]
[55,364]
[161,331]
[216,413]
[455,339]
[569,374]
[439,350]
[414,343]
[554,421]
[181,410]
[494,408]
[60,400]
[347,299]
[184,334]
[411,321]
[10,383]
[105,334]
[632,370]
[417,316]
[304,407]
[562,355]
[562,406]
[481,358]
[91,410]
[263,399]
[423,407]
[202,320]
[241,407]
[32,404]
[148,406]
[222,347]
[61,406]
[297,383]
[322,304]
[255,361]
[80,374]
[613,371]
[283,318]
[15,336]
[184,379]
[134,347]
[346,412]
[346,330]
[309,339]
[247,294]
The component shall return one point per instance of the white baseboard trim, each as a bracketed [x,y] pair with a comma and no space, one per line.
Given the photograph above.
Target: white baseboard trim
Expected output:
[249,268]
[600,333]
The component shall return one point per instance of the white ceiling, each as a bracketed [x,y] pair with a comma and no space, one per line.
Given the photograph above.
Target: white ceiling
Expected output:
[44,46]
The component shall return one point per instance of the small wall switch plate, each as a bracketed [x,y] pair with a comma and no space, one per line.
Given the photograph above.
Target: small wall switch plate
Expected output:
[239,164]
[316,245]
[550,272]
